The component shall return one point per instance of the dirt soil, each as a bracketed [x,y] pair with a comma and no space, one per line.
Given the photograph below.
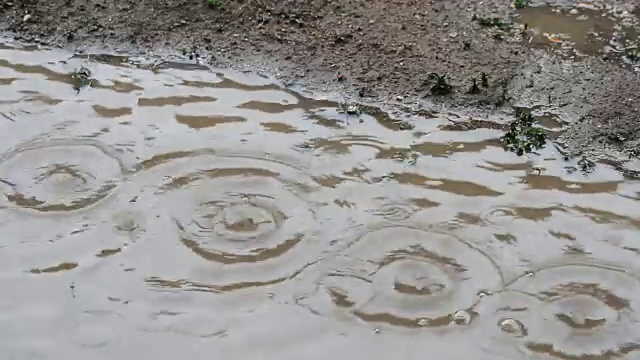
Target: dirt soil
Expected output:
[371,49]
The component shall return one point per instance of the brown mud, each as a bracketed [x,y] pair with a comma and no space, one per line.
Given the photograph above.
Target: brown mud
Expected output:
[383,51]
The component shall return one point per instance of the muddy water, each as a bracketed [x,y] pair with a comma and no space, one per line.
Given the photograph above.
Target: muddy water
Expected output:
[169,212]
[584,30]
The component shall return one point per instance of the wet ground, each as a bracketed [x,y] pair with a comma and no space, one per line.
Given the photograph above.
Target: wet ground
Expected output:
[570,57]
[168,210]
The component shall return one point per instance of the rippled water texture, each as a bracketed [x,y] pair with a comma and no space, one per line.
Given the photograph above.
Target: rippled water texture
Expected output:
[169,212]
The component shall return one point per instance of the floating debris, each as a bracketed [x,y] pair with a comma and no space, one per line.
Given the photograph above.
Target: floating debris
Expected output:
[586,166]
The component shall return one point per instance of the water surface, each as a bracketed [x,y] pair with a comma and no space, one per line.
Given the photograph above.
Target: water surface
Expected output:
[178,212]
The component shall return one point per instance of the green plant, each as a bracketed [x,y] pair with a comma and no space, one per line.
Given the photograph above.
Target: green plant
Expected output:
[519,4]
[523,137]
[632,54]
[492,22]
[81,77]
[441,87]
[214,3]
[474,87]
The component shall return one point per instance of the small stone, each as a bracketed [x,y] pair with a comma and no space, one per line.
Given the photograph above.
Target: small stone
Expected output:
[573,11]
[399,98]
[26,18]
[512,326]
[461,317]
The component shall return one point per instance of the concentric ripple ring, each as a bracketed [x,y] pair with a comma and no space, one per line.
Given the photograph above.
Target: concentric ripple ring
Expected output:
[408,277]
[59,175]
[576,309]
[248,217]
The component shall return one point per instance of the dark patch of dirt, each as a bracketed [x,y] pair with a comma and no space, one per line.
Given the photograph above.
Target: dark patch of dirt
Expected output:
[367,49]
[379,47]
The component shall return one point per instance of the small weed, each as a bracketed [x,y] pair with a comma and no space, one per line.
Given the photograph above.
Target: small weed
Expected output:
[81,77]
[519,4]
[492,22]
[503,96]
[214,3]
[475,89]
[523,137]
[485,80]
[632,54]
[192,54]
[441,87]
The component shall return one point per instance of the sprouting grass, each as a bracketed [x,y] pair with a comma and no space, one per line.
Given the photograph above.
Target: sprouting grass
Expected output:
[519,4]
[81,77]
[492,22]
[215,3]
[633,54]
[441,87]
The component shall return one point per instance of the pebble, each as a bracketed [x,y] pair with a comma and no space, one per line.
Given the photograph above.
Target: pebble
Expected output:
[462,317]
[513,326]
[399,98]
[26,18]
[573,11]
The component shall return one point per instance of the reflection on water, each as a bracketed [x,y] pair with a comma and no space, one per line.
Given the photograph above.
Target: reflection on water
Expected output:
[583,30]
[181,212]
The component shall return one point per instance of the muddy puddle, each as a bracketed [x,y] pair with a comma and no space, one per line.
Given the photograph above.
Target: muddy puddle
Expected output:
[583,30]
[170,212]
